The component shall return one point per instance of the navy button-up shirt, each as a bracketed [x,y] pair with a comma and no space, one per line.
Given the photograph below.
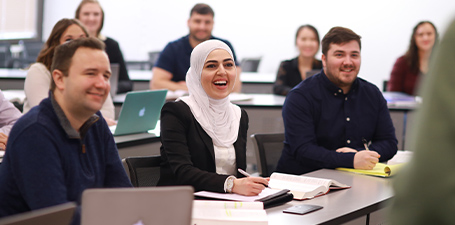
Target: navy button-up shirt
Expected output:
[319,118]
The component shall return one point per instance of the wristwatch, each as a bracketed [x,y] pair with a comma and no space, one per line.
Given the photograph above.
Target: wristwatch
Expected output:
[229,184]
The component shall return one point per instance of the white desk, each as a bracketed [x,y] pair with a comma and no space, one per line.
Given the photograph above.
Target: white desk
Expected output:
[366,195]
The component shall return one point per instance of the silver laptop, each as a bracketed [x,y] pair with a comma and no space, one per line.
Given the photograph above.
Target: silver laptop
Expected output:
[115,70]
[59,214]
[140,112]
[137,206]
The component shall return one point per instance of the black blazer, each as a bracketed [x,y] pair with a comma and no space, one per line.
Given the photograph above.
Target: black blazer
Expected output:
[187,153]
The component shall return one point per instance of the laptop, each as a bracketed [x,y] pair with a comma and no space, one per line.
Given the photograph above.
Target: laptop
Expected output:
[137,206]
[115,70]
[140,112]
[59,214]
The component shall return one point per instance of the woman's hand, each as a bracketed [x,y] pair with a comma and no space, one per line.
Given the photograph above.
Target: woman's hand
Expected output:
[250,186]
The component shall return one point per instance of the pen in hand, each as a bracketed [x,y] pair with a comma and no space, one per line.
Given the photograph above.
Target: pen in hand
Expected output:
[365,143]
[247,174]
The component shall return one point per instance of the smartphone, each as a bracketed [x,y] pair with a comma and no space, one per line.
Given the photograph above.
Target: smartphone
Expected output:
[302,209]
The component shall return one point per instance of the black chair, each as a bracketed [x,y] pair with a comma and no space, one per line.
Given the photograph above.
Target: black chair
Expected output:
[144,170]
[153,57]
[5,55]
[268,149]
[384,85]
[250,64]
[137,65]
[31,51]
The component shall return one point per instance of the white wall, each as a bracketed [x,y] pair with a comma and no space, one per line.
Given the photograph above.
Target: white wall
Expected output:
[267,28]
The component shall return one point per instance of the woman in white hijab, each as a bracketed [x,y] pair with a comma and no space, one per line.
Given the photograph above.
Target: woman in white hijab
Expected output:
[203,135]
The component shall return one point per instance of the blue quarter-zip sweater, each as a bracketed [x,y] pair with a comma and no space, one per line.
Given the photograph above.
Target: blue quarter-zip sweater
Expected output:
[49,163]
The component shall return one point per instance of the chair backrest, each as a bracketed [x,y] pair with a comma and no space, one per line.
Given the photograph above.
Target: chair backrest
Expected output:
[153,57]
[250,64]
[144,170]
[384,85]
[32,50]
[5,54]
[268,148]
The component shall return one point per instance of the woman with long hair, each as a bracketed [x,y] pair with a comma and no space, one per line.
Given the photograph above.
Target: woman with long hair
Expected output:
[409,68]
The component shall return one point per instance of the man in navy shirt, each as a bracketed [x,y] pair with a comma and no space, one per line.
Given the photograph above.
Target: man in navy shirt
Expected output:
[63,146]
[170,70]
[335,119]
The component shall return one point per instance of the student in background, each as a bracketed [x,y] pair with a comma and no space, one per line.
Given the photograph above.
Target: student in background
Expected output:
[424,190]
[90,13]
[293,71]
[327,116]
[410,68]
[203,135]
[63,146]
[38,79]
[8,116]
[174,61]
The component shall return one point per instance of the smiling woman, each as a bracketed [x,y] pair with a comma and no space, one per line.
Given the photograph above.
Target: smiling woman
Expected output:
[410,68]
[218,74]
[203,135]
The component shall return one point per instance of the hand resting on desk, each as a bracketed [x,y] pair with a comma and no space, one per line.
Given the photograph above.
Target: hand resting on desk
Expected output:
[250,186]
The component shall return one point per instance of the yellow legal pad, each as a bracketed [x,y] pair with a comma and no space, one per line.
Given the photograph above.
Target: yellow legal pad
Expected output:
[380,170]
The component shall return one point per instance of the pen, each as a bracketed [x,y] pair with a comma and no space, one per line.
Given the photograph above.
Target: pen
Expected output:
[247,174]
[365,143]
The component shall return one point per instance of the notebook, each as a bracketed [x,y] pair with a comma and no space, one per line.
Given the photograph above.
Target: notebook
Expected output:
[115,70]
[137,206]
[140,112]
[59,214]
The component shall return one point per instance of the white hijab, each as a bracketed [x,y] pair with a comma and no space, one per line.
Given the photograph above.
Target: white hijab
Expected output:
[219,118]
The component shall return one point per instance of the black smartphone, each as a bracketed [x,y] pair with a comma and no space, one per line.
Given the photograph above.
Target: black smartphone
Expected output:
[302,209]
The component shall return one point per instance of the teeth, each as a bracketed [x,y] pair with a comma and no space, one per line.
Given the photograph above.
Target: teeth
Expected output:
[220,82]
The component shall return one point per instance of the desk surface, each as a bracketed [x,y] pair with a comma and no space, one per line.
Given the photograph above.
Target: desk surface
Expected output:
[366,195]
[13,73]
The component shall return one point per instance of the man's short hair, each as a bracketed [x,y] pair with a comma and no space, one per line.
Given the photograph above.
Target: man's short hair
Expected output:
[339,35]
[202,9]
[65,52]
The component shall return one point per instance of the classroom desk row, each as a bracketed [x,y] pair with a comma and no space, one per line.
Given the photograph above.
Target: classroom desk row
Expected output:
[364,203]
[252,82]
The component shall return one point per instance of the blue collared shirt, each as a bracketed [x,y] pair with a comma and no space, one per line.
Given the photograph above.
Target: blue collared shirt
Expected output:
[319,118]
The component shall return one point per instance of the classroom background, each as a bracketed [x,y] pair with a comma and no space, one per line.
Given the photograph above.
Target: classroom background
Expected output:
[267,28]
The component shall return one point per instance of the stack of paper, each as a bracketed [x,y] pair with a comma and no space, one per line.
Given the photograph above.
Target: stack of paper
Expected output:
[228,212]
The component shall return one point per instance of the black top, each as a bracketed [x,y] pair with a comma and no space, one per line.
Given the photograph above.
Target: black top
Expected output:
[115,56]
[187,152]
[289,76]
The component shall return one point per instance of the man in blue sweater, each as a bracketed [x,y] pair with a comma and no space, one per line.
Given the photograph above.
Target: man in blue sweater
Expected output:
[335,119]
[63,146]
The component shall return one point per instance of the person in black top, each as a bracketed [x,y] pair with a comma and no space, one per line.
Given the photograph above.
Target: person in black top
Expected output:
[90,13]
[293,71]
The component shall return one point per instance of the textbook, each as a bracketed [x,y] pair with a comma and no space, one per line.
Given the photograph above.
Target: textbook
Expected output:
[228,212]
[304,187]
[268,197]
[380,170]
